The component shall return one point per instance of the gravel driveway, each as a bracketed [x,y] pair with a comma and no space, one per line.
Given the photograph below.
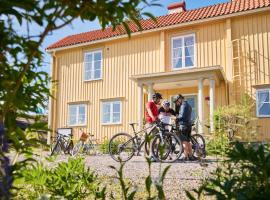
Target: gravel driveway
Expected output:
[181,176]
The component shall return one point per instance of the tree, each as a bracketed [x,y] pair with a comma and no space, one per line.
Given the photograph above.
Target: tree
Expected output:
[22,86]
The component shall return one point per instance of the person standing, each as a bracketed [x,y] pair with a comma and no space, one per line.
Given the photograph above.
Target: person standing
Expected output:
[185,124]
[151,114]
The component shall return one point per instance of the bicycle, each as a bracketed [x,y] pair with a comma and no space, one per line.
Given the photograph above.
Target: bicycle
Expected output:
[123,146]
[197,140]
[85,144]
[166,146]
[63,142]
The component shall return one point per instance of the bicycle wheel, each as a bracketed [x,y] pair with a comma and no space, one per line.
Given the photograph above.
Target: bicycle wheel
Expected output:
[198,146]
[69,148]
[167,148]
[77,148]
[55,148]
[121,147]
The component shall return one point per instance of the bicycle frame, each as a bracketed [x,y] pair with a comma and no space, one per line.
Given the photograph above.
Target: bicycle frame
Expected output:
[136,136]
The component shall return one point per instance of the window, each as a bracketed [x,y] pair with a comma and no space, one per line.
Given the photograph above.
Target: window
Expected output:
[192,100]
[111,112]
[77,114]
[92,65]
[183,49]
[263,103]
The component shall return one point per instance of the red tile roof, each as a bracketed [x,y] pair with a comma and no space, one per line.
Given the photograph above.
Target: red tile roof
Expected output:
[163,21]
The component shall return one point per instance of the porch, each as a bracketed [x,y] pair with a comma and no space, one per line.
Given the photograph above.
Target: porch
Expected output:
[202,79]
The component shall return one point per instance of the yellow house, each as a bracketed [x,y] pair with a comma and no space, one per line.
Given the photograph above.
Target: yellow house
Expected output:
[212,55]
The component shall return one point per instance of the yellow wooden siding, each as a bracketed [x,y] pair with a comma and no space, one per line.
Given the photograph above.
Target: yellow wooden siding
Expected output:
[121,60]
[141,55]
[254,34]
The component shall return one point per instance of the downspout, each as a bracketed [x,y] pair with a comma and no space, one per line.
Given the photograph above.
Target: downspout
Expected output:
[50,101]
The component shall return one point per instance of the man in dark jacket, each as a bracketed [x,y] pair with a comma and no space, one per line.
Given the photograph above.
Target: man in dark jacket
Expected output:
[184,120]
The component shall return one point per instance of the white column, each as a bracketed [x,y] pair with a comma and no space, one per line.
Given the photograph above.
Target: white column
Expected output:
[212,104]
[140,102]
[150,91]
[200,104]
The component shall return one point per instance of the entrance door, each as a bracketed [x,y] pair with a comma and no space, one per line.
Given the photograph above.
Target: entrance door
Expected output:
[192,100]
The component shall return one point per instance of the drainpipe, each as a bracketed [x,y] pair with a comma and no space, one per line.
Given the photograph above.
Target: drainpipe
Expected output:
[50,102]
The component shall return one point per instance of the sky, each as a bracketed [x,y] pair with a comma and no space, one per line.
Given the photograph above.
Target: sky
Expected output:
[78,26]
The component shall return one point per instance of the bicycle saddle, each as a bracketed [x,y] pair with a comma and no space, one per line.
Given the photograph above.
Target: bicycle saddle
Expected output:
[132,124]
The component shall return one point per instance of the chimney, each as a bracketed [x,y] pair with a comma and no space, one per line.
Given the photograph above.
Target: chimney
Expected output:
[177,7]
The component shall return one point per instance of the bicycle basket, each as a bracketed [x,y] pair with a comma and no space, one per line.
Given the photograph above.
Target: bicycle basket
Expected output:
[84,136]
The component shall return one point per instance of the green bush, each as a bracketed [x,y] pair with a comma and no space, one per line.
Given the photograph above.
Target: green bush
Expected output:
[232,123]
[104,147]
[244,175]
[69,180]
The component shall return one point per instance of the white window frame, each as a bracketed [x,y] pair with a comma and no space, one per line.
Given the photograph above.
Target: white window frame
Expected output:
[93,67]
[77,114]
[111,112]
[257,103]
[183,52]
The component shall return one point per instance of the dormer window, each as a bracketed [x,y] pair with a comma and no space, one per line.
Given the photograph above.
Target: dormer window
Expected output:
[183,51]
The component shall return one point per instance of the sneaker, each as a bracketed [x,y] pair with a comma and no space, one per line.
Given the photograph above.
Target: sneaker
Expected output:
[192,158]
[152,158]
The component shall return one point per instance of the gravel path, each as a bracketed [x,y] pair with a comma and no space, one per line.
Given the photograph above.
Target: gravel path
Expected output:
[181,176]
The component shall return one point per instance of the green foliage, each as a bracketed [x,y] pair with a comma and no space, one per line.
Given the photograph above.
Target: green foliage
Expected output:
[69,180]
[23,85]
[245,175]
[237,118]
[232,123]
[104,147]
[129,194]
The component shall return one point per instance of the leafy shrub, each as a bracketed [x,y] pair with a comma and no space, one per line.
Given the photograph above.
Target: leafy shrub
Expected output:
[238,118]
[69,180]
[232,123]
[245,175]
[104,147]
[129,194]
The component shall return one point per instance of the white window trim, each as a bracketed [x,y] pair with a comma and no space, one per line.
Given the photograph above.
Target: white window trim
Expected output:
[183,51]
[77,110]
[111,113]
[101,65]
[257,103]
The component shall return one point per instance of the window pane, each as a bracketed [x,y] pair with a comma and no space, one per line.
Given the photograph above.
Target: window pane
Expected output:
[177,63]
[87,66]
[106,108]
[264,109]
[106,117]
[97,64]
[87,75]
[88,57]
[189,51]
[72,114]
[189,61]
[97,74]
[177,53]
[72,119]
[263,96]
[116,117]
[81,110]
[97,56]
[189,41]
[81,119]
[116,107]
[177,43]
